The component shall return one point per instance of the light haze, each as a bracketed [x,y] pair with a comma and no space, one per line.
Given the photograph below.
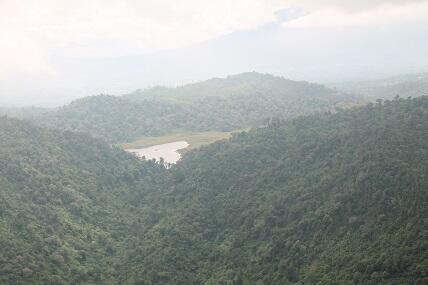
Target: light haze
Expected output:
[54,51]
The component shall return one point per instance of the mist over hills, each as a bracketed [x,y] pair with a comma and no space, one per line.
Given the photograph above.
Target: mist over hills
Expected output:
[235,102]
[407,85]
[23,112]
[322,199]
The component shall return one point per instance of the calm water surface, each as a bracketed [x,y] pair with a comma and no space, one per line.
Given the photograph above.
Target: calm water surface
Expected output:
[168,151]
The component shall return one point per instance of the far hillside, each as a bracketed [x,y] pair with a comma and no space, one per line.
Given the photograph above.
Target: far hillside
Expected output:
[235,102]
[409,85]
[23,112]
[243,84]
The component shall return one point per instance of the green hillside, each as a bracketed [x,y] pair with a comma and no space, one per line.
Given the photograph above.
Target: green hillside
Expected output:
[65,205]
[236,102]
[243,84]
[325,199]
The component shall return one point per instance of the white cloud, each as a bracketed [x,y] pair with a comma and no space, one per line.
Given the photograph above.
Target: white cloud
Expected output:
[32,30]
[18,53]
[364,13]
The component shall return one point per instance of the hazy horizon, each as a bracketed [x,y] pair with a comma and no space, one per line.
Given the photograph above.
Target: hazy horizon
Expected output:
[54,51]
[64,100]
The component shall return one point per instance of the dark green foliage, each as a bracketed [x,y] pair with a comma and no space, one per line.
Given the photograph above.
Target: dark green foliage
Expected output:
[326,199]
[64,205]
[215,105]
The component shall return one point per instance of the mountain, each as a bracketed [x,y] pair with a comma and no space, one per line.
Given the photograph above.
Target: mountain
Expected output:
[235,102]
[333,198]
[65,205]
[409,85]
[243,84]
[324,199]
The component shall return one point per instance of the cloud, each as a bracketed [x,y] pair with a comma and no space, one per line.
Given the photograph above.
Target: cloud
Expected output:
[18,53]
[37,34]
[33,30]
[360,13]
[349,5]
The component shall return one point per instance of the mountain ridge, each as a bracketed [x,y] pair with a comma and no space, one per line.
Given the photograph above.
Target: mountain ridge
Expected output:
[406,85]
[236,102]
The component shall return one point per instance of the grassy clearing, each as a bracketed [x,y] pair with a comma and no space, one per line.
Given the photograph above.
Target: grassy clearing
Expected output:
[195,140]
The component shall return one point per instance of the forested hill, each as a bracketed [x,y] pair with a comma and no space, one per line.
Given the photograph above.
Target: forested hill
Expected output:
[65,205]
[244,84]
[324,199]
[226,104]
[115,119]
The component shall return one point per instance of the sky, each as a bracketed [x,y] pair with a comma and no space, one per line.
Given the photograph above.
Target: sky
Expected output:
[53,51]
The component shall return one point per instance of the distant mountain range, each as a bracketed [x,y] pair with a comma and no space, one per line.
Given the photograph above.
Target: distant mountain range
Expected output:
[409,85]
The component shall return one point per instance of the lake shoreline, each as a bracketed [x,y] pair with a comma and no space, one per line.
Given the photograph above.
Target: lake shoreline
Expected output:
[169,152]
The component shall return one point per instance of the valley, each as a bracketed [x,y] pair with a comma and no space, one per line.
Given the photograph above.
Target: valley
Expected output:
[195,139]
[245,142]
[285,192]
[171,147]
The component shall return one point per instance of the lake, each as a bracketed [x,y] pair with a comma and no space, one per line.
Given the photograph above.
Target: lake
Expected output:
[168,151]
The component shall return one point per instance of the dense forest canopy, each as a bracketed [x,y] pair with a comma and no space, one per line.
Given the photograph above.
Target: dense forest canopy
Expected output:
[139,146]
[323,199]
[236,102]
[64,205]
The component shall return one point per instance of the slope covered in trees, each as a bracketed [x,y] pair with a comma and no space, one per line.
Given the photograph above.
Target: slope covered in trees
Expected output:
[244,84]
[226,104]
[64,205]
[325,199]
